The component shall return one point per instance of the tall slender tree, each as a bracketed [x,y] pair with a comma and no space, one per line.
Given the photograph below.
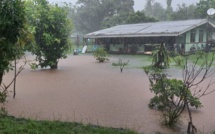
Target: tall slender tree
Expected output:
[148,7]
[169,9]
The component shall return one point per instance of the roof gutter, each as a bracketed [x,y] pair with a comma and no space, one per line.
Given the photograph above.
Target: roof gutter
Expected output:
[133,35]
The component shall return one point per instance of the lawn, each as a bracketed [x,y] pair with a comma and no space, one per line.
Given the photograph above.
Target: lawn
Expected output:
[201,58]
[12,125]
[135,61]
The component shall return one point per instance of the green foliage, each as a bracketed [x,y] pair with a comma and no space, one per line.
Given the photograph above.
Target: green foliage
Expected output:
[139,17]
[201,54]
[33,66]
[93,15]
[12,125]
[179,60]
[203,6]
[11,25]
[201,58]
[169,9]
[3,112]
[171,96]
[185,12]
[127,18]
[100,54]
[51,28]
[148,7]
[121,64]
[13,34]
[155,10]
[3,95]
[160,57]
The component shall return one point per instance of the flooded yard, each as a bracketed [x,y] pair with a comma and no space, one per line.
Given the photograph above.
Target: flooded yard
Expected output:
[83,90]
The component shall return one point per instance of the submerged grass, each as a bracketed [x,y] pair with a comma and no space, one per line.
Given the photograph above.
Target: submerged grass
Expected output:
[201,61]
[135,61]
[12,125]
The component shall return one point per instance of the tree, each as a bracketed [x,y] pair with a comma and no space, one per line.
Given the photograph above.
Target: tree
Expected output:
[169,9]
[158,12]
[124,18]
[11,24]
[155,9]
[148,7]
[185,12]
[139,17]
[174,96]
[161,59]
[91,15]
[115,20]
[51,28]
[203,6]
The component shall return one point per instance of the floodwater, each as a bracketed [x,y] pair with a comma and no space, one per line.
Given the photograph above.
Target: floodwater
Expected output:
[82,90]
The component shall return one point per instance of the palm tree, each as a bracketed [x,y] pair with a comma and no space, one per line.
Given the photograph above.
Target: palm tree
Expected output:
[148,7]
[169,9]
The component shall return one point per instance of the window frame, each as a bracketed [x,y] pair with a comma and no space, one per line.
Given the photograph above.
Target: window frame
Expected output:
[193,36]
[201,35]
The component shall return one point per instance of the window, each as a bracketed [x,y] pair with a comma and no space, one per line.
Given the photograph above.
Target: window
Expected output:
[201,35]
[193,36]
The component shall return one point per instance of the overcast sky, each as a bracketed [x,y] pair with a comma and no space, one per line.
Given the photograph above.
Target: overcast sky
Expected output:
[139,4]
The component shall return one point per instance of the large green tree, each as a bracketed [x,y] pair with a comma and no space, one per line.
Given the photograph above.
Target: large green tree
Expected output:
[51,28]
[139,17]
[155,9]
[131,18]
[90,15]
[158,12]
[185,12]
[148,7]
[203,6]
[12,20]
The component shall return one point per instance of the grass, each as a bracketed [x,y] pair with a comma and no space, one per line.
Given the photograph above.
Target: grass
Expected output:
[200,60]
[12,125]
[135,61]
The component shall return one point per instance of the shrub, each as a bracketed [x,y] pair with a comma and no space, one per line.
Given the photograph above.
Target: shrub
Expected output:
[179,60]
[100,54]
[171,96]
[121,64]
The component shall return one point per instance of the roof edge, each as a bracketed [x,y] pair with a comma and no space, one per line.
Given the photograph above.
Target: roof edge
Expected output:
[132,35]
[194,26]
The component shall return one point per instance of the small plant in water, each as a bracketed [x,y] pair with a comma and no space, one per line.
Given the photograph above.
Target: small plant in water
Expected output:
[121,64]
[101,55]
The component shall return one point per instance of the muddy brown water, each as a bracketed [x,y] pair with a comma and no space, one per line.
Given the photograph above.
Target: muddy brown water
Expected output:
[82,90]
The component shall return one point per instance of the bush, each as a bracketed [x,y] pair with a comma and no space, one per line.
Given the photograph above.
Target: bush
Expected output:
[171,96]
[179,60]
[100,54]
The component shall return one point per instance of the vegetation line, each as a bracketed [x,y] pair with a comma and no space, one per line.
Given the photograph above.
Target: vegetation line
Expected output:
[12,125]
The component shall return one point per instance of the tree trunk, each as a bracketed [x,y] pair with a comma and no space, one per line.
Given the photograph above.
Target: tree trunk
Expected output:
[14,84]
[191,129]
[1,77]
[54,66]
